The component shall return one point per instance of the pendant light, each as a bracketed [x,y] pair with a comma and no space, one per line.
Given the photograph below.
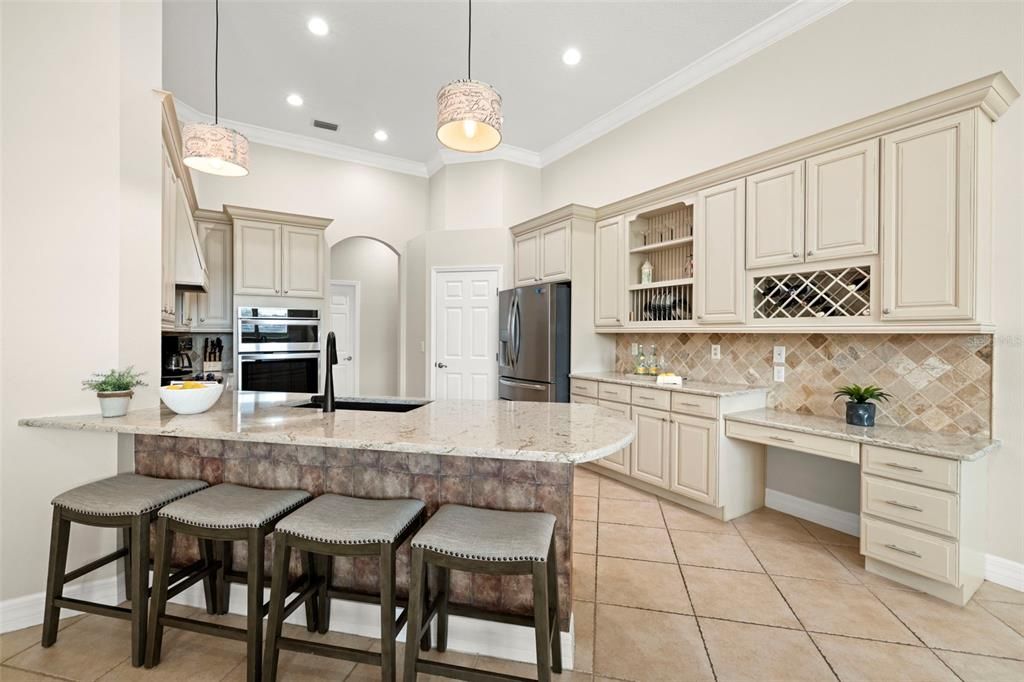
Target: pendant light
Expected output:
[213,148]
[468,111]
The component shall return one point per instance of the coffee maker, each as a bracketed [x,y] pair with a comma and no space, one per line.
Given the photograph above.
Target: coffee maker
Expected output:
[175,358]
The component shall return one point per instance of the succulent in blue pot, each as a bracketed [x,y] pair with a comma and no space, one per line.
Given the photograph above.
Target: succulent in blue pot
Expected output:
[860,411]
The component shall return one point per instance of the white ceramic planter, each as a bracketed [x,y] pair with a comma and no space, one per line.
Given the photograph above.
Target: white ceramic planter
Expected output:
[114,403]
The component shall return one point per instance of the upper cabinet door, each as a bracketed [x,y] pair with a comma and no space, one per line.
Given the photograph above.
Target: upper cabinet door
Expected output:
[257,258]
[609,273]
[214,307]
[718,242]
[928,235]
[775,216]
[842,202]
[526,253]
[556,251]
[302,261]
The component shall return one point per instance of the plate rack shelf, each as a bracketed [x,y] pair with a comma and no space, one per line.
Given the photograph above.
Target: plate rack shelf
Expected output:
[662,238]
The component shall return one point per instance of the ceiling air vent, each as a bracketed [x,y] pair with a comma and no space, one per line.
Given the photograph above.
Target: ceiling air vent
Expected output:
[325,125]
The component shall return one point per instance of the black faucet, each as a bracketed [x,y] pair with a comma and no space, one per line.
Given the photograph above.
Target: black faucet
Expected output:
[332,360]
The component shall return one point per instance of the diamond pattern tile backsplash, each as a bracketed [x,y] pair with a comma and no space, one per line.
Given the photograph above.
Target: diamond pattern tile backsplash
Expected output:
[941,382]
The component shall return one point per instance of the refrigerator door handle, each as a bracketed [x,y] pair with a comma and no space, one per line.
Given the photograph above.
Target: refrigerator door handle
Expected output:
[517,340]
[507,344]
[522,384]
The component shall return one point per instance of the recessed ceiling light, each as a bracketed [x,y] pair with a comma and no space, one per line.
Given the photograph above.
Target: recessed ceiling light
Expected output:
[317,26]
[381,136]
[571,56]
[294,100]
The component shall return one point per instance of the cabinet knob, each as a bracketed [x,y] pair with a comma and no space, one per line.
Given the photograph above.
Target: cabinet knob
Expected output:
[202,319]
[810,253]
[796,254]
[700,317]
[885,311]
[286,291]
[277,291]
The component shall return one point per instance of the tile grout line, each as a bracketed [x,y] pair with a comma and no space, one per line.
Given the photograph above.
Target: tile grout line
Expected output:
[34,672]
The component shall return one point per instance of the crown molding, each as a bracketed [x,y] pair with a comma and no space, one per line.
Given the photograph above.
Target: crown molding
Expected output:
[309,145]
[776,27]
[557,215]
[505,152]
[263,215]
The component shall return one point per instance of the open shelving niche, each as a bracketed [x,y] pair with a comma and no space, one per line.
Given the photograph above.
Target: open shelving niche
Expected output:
[664,236]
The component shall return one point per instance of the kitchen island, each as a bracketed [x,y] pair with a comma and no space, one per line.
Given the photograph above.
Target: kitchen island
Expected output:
[494,454]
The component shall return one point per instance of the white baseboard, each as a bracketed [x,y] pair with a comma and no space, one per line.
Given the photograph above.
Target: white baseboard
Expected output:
[1004,572]
[24,612]
[823,515]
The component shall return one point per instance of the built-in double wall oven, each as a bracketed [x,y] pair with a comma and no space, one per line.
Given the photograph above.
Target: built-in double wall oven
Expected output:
[278,349]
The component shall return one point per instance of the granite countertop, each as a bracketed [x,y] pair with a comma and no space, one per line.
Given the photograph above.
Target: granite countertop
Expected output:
[950,446]
[695,387]
[545,432]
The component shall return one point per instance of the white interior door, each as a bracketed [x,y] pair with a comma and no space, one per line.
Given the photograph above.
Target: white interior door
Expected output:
[465,335]
[343,308]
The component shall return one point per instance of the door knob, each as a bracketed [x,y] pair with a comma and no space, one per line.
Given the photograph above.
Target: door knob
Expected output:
[348,358]
[440,365]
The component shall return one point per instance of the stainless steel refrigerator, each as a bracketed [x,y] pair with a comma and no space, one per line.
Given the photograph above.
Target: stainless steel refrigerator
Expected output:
[533,343]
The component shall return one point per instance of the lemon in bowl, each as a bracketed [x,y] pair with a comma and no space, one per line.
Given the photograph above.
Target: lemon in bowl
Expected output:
[190,397]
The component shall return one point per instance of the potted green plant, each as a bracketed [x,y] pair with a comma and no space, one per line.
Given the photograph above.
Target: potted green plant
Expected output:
[860,411]
[114,389]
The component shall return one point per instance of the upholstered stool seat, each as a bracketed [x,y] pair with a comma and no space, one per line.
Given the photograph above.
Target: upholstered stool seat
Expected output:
[330,526]
[125,501]
[125,494]
[487,534]
[230,506]
[495,543]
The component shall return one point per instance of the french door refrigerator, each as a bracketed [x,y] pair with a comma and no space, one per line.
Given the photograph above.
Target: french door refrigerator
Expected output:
[533,343]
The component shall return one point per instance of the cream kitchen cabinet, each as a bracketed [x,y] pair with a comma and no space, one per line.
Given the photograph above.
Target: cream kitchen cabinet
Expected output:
[302,261]
[775,216]
[277,254]
[931,215]
[609,269]
[167,241]
[190,270]
[543,255]
[718,234]
[619,461]
[257,258]
[214,309]
[842,203]
[649,456]
[693,459]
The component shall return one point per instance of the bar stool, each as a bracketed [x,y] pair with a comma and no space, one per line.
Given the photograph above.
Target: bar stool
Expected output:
[125,501]
[330,526]
[496,543]
[220,514]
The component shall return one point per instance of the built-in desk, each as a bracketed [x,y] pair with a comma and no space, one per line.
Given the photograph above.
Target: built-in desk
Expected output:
[923,495]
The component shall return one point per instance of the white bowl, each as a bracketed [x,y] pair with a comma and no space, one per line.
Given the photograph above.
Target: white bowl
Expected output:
[191,400]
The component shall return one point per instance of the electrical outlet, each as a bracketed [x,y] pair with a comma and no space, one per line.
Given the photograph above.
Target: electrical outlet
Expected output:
[779,355]
[780,373]
[633,349]
[716,351]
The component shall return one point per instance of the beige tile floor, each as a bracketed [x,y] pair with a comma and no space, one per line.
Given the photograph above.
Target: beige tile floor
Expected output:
[662,593]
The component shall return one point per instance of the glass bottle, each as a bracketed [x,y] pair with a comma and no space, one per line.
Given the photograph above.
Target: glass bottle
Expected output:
[641,362]
[652,366]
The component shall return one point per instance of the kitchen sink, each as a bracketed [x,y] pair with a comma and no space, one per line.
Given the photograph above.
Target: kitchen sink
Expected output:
[394,405]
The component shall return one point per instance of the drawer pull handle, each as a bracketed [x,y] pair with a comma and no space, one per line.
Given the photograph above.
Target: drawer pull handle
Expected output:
[901,505]
[897,548]
[780,438]
[690,404]
[644,397]
[905,467]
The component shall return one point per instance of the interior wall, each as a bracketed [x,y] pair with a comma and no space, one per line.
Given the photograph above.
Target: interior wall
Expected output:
[77,252]
[483,195]
[863,58]
[375,266]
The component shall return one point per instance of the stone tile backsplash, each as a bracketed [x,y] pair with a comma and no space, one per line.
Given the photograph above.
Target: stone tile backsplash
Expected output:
[941,382]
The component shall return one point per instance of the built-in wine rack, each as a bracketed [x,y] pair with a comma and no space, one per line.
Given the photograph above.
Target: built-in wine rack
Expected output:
[662,238]
[843,292]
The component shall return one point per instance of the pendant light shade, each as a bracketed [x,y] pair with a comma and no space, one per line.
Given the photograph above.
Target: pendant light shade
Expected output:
[211,147]
[215,149]
[469,116]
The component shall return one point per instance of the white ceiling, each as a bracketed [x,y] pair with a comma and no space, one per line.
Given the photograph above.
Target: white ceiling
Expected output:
[383,62]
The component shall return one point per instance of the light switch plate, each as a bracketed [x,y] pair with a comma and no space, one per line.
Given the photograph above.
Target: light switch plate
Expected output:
[423,346]
[779,354]
[633,350]
[779,374]
[716,351]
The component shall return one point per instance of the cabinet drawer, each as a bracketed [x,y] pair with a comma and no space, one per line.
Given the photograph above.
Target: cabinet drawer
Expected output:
[934,472]
[583,400]
[913,505]
[615,392]
[846,451]
[652,397]
[912,550]
[700,405]
[583,387]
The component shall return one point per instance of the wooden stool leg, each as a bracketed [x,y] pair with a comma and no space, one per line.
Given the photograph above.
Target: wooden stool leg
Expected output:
[278,595]
[387,613]
[126,543]
[413,624]
[210,582]
[60,532]
[138,561]
[309,567]
[323,600]
[541,627]
[443,587]
[425,605]
[254,606]
[556,625]
[161,576]
[223,551]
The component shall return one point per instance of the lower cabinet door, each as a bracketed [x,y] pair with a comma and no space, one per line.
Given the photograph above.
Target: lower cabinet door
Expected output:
[650,453]
[618,461]
[693,464]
